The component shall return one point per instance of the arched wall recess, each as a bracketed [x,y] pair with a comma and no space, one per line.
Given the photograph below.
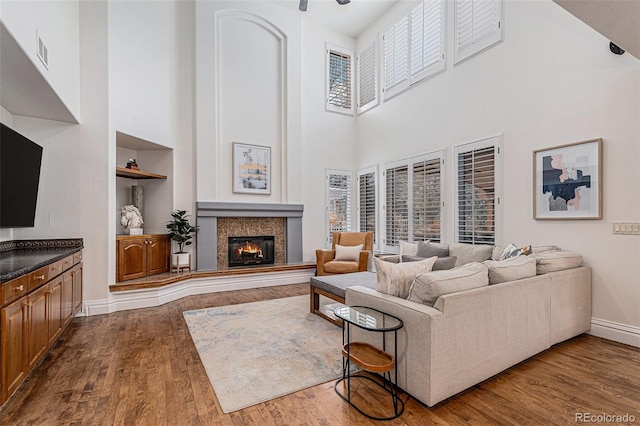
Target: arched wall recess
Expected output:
[250,94]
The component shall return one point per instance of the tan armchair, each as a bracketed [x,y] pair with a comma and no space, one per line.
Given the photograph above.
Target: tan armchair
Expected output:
[325,259]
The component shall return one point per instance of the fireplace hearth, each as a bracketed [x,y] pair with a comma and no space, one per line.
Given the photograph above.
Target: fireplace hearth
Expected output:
[253,250]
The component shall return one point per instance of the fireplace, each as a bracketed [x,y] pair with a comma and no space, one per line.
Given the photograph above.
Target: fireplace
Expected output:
[254,250]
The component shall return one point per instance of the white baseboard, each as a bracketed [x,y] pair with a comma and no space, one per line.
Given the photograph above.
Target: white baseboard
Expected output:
[617,332]
[147,298]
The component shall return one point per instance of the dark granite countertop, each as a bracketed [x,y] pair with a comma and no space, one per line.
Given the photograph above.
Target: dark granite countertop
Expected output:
[27,256]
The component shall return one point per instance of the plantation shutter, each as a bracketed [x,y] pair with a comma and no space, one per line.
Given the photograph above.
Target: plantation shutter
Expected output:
[396,56]
[427,39]
[397,205]
[427,203]
[367,78]
[339,85]
[367,202]
[476,193]
[478,26]
[339,203]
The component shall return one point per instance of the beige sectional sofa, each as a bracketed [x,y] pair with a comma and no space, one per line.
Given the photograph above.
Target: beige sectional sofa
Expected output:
[469,336]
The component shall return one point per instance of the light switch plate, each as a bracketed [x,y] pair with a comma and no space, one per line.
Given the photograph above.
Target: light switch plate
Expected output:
[626,228]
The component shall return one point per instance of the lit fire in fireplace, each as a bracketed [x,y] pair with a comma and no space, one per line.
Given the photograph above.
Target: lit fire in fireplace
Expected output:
[249,250]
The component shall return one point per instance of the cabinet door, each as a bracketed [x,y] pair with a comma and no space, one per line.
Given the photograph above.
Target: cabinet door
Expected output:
[38,336]
[158,250]
[67,297]
[54,304]
[15,364]
[77,288]
[132,259]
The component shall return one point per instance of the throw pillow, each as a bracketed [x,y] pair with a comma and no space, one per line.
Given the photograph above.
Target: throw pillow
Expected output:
[467,253]
[512,251]
[348,253]
[428,287]
[396,278]
[551,261]
[407,248]
[441,264]
[429,249]
[516,268]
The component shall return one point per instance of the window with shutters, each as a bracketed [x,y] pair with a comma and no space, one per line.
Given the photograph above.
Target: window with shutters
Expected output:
[367,78]
[477,192]
[367,190]
[413,200]
[414,46]
[339,202]
[339,80]
[478,26]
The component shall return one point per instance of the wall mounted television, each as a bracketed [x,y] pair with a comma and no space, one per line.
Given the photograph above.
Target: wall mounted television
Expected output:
[20,161]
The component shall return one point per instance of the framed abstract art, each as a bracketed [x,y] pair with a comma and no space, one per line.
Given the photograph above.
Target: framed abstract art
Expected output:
[567,181]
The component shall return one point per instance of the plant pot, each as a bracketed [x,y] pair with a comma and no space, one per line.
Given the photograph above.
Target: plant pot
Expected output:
[181,261]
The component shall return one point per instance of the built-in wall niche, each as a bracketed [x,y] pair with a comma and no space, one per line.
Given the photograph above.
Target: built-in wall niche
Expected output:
[154,181]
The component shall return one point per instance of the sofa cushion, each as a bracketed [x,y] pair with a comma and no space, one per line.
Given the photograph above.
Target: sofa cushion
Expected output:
[515,268]
[396,278]
[427,287]
[341,267]
[441,264]
[407,248]
[551,261]
[429,249]
[337,284]
[467,253]
[348,253]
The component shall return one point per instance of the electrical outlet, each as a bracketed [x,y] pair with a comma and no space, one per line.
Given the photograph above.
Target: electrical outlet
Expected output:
[626,228]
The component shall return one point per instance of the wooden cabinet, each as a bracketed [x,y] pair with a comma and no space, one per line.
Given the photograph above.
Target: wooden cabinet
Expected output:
[36,308]
[142,255]
[15,365]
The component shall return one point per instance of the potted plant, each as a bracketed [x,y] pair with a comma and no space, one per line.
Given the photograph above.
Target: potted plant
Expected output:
[181,231]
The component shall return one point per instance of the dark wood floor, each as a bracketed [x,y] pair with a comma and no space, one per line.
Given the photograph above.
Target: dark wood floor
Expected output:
[140,367]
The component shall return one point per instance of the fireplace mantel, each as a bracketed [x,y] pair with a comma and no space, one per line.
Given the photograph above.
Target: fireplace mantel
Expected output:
[207,214]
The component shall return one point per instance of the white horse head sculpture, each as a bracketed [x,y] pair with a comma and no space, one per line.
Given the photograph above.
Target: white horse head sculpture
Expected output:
[130,217]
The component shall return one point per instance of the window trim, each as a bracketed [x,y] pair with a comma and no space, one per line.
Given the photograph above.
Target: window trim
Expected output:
[495,141]
[345,52]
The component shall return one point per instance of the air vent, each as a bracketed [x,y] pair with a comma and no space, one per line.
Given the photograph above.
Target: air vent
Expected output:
[42,51]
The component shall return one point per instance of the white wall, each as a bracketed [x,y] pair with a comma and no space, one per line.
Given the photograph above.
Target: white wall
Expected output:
[72,196]
[57,24]
[552,81]
[248,90]
[142,69]
[328,137]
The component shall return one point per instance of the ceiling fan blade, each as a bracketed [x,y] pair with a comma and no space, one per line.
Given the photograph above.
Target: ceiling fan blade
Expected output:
[303,5]
[343,2]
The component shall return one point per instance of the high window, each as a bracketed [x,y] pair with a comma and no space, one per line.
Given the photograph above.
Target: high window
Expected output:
[339,90]
[339,202]
[414,46]
[477,191]
[478,26]
[367,77]
[413,203]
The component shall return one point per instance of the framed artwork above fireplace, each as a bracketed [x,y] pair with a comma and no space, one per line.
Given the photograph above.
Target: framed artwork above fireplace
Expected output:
[251,169]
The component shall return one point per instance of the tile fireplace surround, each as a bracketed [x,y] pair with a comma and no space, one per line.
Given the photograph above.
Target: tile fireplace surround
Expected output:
[210,245]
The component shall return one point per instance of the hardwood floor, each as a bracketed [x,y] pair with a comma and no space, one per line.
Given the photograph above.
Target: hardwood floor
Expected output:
[140,367]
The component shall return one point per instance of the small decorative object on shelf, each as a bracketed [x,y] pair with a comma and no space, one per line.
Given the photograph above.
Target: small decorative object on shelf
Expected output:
[131,219]
[180,231]
[131,164]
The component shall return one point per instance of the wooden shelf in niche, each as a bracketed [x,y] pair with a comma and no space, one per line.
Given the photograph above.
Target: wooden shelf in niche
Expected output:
[136,174]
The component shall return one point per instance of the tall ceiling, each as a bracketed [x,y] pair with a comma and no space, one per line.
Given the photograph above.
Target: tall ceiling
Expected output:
[618,20]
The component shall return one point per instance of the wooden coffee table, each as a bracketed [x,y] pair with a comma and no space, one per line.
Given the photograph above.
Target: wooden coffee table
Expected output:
[368,357]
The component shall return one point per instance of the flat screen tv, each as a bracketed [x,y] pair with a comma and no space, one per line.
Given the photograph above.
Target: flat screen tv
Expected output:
[20,161]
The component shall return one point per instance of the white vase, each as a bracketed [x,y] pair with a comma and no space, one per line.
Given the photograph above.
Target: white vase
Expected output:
[181,261]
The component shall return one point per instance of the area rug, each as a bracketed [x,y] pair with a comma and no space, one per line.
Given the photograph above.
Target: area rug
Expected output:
[259,351]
